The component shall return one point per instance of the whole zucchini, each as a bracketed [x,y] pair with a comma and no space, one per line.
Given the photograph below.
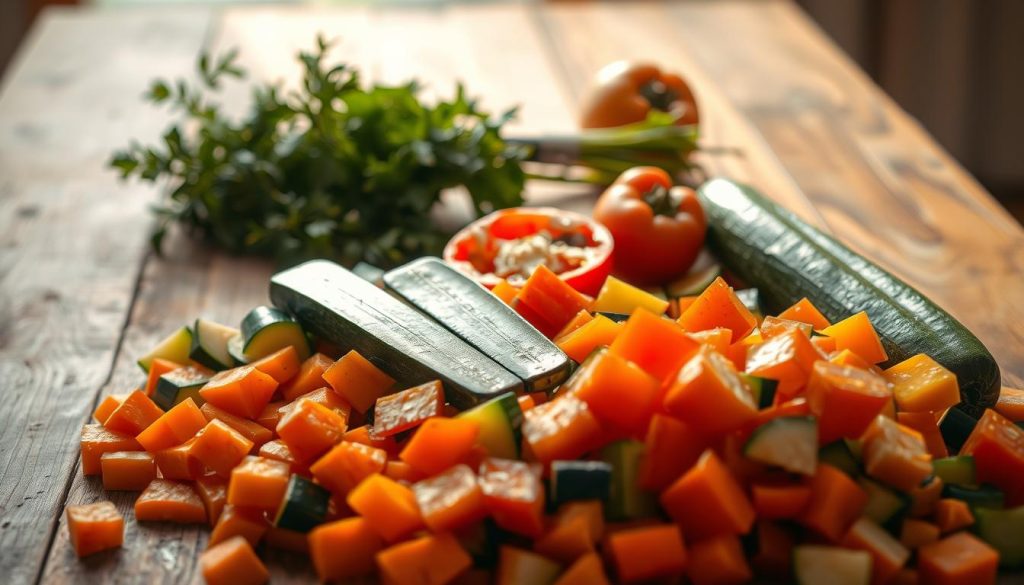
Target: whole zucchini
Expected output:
[786,259]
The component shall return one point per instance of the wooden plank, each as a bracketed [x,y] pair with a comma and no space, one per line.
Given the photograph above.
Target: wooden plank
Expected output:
[71,245]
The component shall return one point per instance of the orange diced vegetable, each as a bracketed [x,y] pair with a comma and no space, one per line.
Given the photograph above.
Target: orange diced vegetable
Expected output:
[923,498]
[774,549]
[916,533]
[251,430]
[836,501]
[284,539]
[107,406]
[282,365]
[232,562]
[780,501]
[429,560]
[618,391]
[774,326]
[648,552]
[516,565]
[581,319]
[895,454]
[365,435]
[683,303]
[213,490]
[718,306]
[717,561]
[567,538]
[587,570]
[440,443]
[526,402]
[309,429]
[788,358]
[505,291]
[958,559]
[344,549]
[249,523]
[670,448]
[659,346]
[718,339]
[590,510]
[173,428]
[532,317]
[127,470]
[389,506]
[358,381]
[347,464]
[952,515]
[401,471]
[96,440]
[805,312]
[133,415]
[178,462]
[564,428]
[309,378]
[242,391]
[404,410]
[925,424]
[170,501]
[220,447]
[279,451]
[326,397]
[858,335]
[258,482]
[845,400]
[1010,404]
[580,343]
[95,527]
[888,555]
[707,501]
[826,345]
[998,448]
[514,495]
[271,415]
[450,500]
[554,301]
[709,395]
[920,384]
[158,367]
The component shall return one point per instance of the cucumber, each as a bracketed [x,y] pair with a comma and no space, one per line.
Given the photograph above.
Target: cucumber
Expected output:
[343,309]
[831,565]
[626,500]
[210,344]
[786,259]
[957,470]
[789,442]
[762,388]
[236,347]
[983,496]
[1004,531]
[482,320]
[501,421]
[839,455]
[885,506]
[174,347]
[266,330]
[704,271]
[304,506]
[955,427]
[580,480]
[175,386]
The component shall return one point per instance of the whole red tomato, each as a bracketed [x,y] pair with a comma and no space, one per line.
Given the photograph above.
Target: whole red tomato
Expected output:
[658,228]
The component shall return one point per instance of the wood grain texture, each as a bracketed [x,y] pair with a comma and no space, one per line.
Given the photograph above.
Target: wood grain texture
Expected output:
[71,242]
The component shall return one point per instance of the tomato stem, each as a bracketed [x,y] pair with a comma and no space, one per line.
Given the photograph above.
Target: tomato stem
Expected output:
[659,95]
[662,201]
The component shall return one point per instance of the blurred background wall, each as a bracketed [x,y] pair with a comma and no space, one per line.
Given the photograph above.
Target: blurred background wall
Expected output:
[956,65]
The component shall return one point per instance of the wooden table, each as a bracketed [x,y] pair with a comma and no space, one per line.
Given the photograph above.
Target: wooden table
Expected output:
[81,295]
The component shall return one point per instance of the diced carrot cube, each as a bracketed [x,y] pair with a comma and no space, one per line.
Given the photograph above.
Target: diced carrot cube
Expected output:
[326,397]
[429,560]
[309,429]
[718,339]
[158,368]
[505,291]
[232,562]
[284,539]
[355,537]
[805,312]
[516,565]
[173,428]
[826,345]
[618,391]
[587,570]
[279,451]
[780,501]
[836,501]
[590,510]
[788,358]
[709,395]
[514,495]
[599,331]
[925,424]
[179,463]
[895,454]
[774,554]
[358,381]
[249,523]
[916,533]
[220,447]
[365,435]
[718,561]
[888,555]
[858,335]
[718,306]
[845,400]
[659,346]
[440,443]
[242,391]
[133,415]
[346,465]
[846,358]
[774,326]
[551,298]
[213,490]
[389,506]
[998,449]
[309,378]
[707,501]
[401,471]
[670,448]
[1010,404]
[404,410]
[647,552]
[127,470]
[567,539]
[956,560]
[96,440]
[95,527]
[952,515]
[923,498]
[525,402]
[251,430]
[450,500]
[920,384]
[532,317]
[564,428]
[109,403]
[271,415]
[170,501]
[258,482]
[581,319]
[282,365]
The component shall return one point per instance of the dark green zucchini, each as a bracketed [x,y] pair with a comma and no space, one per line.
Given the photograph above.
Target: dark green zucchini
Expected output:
[175,386]
[210,344]
[304,506]
[480,319]
[580,480]
[266,330]
[785,258]
[351,313]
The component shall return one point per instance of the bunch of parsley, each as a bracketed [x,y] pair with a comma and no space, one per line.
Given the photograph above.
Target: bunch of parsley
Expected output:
[335,170]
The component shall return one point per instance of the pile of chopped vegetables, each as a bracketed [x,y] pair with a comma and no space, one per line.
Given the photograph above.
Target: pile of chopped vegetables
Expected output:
[695,438]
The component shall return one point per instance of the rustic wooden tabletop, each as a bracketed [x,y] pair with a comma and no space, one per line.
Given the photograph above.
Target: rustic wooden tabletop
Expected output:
[81,295]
